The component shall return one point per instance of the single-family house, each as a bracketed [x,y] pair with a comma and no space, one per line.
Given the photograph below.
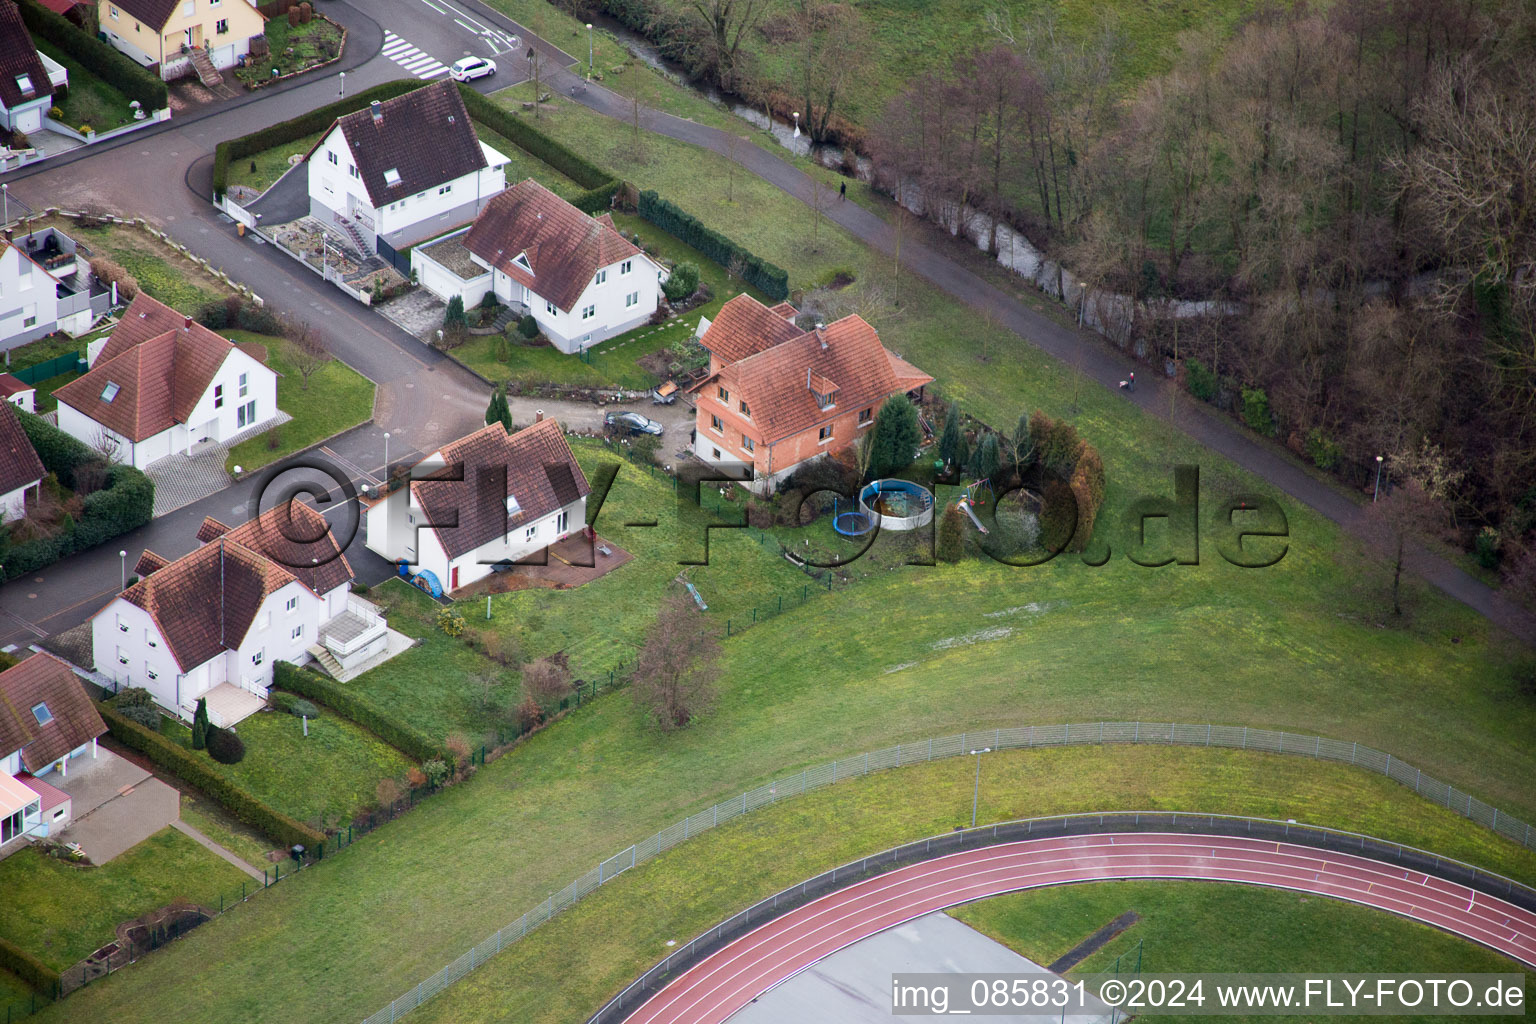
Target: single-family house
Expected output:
[45,288]
[486,500]
[21,472]
[214,622]
[27,77]
[163,383]
[574,273]
[81,13]
[170,37]
[777,396]
[404,169]
[46,721]
[18,393]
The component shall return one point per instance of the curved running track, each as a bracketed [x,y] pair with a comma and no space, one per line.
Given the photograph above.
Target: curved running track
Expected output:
[732,977]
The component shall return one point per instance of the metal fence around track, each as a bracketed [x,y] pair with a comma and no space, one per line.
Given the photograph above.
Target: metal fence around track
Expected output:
[1092,733]
[637,992]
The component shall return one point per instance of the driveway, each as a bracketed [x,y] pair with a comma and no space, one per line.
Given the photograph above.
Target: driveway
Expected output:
[116,805]
[287,199]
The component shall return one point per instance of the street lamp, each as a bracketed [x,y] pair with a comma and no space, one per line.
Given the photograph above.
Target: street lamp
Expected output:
[343,83]
[6,189]
[976,793]
[796,116]
[589,51]
[1377,489]
[123,565]
[386,458]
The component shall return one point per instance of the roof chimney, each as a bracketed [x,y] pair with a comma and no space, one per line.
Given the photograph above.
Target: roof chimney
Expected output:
[538,415]
[378,111]
[820,327]
[186,323]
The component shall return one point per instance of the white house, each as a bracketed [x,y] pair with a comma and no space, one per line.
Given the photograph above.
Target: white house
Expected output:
[27,77]
[578,277]
[163,383]
[20,469]
[47,720]
[405,169]
[487,499]
[44,288]
[18,393]
[214,622]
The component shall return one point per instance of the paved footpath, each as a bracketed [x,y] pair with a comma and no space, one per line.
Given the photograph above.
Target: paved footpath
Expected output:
[202,840]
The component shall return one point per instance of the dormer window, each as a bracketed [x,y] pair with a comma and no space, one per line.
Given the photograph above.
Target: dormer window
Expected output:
[110,391]
[824,390]
[392,177]
[521,259]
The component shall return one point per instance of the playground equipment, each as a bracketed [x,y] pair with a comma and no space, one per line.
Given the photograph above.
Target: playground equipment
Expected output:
[973,491]
[698,598]
[852,523]
[964,505]
[425,580]
[896,504]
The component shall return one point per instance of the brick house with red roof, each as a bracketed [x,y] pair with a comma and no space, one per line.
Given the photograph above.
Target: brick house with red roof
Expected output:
[574,273]
[488,499]
[214,622]
[163,383]
[778,396]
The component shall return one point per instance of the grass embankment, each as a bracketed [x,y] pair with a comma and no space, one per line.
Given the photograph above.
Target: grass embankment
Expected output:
[62,913]
[337,398]
[161,271]
[1204,927]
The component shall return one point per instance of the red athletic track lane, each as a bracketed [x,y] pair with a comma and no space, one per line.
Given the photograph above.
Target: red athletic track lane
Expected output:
[732,977]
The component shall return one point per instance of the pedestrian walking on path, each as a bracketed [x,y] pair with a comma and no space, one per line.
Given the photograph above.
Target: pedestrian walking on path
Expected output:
[842,191]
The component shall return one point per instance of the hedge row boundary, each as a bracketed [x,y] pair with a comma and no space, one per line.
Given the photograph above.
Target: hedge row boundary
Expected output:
[125,503]
[29,968]
[600,183]
[197,770]
[321,690]
[104,60]
[766,277]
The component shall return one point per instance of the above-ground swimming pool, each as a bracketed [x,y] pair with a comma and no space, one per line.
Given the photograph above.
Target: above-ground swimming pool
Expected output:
[896,504]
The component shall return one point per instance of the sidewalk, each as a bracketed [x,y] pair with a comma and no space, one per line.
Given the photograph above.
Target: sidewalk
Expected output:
[204,841]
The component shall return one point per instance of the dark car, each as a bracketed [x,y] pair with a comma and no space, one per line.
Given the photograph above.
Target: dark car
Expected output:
[632,423]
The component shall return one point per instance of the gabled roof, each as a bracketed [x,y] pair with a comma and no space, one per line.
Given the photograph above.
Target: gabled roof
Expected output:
[204,602]
[534,465]
[154,13]
[11,385]
[18,57]
[19,464]
[424,137]
[149,562]
[161,363]
[564,246]
[844,359]
[72,717]
[746,327]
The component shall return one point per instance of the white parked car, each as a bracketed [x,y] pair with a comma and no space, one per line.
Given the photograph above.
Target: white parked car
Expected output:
[470,68]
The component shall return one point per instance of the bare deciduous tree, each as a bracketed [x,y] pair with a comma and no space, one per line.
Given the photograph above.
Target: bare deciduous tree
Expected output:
[309,353]
[675,673]
[725,23]
[548,681]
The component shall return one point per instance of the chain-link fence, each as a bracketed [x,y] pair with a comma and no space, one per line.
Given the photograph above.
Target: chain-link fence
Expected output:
[844,875]
[1091,733]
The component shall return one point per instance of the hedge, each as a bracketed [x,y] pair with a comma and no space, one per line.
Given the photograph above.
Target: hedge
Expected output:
[297,127]
[105,61]
[126,503]
[29,968]
[767,278]
[318,688]
[199,770]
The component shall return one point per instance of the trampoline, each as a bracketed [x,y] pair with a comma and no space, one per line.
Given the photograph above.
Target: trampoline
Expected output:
[852,524]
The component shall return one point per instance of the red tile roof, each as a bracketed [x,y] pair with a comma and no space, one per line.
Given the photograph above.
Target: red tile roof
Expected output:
[60,6]
[205,602]
[564,246]
[44,679]
[11,386]
[534,465]
[18,56]
[161,362]
[844,359]
[19,465]
[149,562]
[745,327]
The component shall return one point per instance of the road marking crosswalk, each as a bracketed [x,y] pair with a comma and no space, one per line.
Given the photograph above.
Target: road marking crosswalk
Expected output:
[411,58]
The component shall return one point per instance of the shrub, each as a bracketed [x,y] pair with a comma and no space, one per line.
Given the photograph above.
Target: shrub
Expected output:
[1324,452]
[301,708]
[1256,411]
[235,312]
[387,793]
[200,724]
[767,278]
[528,327]
[345,703]
[1202,382]
[110,272]
[192,768]
[146,715]
[896,436]
[1485,547]
[1088,492]
[224,746]
[8,661]
[450,621]
[455,317]
[529,715]
[436,771]
[457,744]
[1057,442]
[683,282]
[1058,516]
[950,546]
[134,696]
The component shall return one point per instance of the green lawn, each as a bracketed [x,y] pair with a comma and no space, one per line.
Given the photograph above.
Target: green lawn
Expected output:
[1204,927]
[523,164]
[261,170]
[163,273]
[598,625]
[614,363]
[337,398]
[321,779]
[216,823]
[44,400]
[62,913]
[15,994]
[46,348]
[90,101]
